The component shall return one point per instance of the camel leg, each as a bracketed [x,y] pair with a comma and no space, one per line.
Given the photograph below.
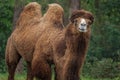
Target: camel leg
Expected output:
[12,59]
[58,73]
[29,72]
[41,69]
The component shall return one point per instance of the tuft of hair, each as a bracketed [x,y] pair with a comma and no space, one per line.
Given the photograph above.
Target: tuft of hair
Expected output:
[30,14]
[83,14]
[54,12]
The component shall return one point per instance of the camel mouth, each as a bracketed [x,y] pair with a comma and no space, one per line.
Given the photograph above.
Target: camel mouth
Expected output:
[82,30]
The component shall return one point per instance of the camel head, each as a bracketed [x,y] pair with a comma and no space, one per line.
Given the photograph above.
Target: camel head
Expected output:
[82,20]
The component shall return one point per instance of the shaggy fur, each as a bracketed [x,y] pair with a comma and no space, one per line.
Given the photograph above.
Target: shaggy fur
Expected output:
[52,22]
[29,28]
[77,44]
[82,14]
[66,48]
[22,40]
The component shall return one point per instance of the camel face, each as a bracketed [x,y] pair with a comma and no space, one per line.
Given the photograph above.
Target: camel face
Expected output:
[82,24]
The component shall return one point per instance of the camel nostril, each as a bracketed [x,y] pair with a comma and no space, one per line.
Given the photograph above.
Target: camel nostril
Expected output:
[83,24]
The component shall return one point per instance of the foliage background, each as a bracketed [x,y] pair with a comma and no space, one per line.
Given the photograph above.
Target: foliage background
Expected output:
[103,58]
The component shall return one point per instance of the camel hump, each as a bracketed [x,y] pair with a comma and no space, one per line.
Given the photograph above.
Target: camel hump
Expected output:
[54,14]
[56,6]
[55,9]
[30,14]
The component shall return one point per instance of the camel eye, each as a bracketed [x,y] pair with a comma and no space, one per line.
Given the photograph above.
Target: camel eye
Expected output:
[75,21]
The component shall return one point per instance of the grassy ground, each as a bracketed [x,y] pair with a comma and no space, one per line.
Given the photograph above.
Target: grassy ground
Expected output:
[17,77]
[23,77]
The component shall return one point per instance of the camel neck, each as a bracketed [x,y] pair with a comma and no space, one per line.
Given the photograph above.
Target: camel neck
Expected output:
[77,42]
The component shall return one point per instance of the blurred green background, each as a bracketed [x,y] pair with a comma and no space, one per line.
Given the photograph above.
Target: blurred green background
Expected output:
[103,58]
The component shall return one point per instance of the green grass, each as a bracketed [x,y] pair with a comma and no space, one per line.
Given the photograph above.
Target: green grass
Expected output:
[3,76]
[89,78]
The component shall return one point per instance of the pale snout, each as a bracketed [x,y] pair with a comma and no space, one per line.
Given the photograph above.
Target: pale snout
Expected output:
[83,26]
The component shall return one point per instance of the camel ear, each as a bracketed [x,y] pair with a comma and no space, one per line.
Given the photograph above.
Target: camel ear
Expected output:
[90,17]
[72,17]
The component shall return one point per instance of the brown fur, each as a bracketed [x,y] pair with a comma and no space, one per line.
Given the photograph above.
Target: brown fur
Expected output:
[22,40]
[66,48]
[44,42]
[83,14]
[30,15]
[52,21]
[28,29]
[77,44]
